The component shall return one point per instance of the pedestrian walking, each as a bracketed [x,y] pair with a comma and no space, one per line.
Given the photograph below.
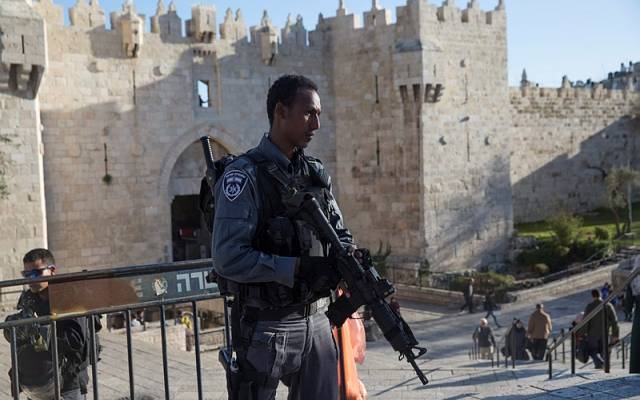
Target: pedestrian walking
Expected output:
[490,306]
[468,297]
[516,341]
[539,329]
[483,335]
[593,328]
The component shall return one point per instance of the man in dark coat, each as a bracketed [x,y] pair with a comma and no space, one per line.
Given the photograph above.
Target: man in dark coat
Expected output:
[468,297]
[490,307]
[594,328]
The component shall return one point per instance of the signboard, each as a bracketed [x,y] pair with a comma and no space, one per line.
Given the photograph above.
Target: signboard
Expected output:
[93,294]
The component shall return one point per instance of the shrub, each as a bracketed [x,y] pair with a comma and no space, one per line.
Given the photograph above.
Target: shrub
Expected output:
[380,259]
[591,249]
[602,234]
[541,269]
[548,252]
[565,228]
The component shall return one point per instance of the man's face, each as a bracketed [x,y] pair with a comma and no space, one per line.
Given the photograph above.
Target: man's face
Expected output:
[302,118]
[43,270]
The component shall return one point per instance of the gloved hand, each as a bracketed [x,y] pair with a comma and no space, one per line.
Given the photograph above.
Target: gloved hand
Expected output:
[319,272]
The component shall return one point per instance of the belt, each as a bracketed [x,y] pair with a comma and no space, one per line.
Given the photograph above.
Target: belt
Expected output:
[299,311]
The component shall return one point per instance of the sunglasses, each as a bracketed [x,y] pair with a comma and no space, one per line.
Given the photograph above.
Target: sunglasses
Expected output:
[35,273]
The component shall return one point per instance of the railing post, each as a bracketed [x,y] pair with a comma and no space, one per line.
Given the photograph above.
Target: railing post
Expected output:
[56,358]
[165,363]
[196,338]
[15,388]
[94,355]
[573,353]
[605,339]
[550,364]
[130,355]
[513,351]
[623,354]
[497,358]
[555,350]
[563,340]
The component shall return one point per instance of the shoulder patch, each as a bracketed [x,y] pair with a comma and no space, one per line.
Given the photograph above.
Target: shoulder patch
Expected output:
[233,183]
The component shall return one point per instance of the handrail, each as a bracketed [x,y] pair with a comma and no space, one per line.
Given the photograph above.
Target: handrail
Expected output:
[119,272]
[614,294]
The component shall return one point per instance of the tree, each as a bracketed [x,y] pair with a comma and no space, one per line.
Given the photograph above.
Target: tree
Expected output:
[618,182]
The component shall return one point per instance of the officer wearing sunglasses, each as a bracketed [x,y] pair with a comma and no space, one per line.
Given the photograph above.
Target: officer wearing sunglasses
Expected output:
[35,365]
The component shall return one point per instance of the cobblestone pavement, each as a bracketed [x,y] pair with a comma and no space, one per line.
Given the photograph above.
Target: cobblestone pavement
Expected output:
[452,374]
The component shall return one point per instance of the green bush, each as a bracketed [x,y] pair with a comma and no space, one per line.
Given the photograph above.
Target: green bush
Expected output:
[541,269]
[602,234]
[565,228]
[590,249]
[379,259]
[548,252]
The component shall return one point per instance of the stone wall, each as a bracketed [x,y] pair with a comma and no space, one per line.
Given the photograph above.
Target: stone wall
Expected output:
[22,61]
[564,142]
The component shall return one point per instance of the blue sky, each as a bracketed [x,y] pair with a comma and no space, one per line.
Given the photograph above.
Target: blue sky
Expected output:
[550,38]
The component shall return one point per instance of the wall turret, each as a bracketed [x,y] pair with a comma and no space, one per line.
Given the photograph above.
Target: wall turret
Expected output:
[266,38]
[23,49]
[231,28]
[85,16]
[130,25]
[167,24]
[473,13]
[52,13]
[377,16]
[202,25]
[294,35]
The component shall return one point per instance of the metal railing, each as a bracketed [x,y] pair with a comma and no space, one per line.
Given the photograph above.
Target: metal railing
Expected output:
[180,295]
[586,319]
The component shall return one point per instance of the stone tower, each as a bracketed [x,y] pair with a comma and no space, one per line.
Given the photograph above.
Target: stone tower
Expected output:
[23,61]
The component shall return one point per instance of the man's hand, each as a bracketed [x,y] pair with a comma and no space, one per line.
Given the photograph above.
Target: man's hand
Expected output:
[319,272]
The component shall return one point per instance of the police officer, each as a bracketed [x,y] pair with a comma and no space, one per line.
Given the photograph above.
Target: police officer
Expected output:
[35,365]
[280,272]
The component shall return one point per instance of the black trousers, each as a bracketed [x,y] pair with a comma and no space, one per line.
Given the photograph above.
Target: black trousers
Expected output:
[539,348]
[468,303]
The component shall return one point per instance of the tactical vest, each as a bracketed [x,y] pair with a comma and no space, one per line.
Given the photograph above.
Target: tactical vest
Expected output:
[280,233]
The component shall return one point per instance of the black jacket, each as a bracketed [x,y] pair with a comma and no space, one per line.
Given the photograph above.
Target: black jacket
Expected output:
[33,366]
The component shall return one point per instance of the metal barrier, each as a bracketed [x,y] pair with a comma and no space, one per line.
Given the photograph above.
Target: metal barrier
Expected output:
[175,286]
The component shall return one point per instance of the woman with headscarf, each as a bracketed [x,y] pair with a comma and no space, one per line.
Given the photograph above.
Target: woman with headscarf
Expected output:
[516,341]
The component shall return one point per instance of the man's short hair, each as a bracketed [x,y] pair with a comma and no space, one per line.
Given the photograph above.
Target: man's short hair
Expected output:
[284,91]
[595,293]
[39,254]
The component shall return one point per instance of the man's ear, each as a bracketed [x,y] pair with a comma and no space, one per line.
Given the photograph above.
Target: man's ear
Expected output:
[281,110]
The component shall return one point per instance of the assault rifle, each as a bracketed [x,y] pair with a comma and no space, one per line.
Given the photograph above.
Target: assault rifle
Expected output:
[365,285]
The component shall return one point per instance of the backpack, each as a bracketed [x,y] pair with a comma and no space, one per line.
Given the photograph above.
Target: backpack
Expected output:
[206,199]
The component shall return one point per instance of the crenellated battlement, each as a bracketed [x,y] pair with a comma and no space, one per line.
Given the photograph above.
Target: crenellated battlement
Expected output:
[566,91]
[202,27]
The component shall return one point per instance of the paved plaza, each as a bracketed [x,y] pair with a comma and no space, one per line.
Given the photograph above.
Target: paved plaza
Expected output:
[452,374]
